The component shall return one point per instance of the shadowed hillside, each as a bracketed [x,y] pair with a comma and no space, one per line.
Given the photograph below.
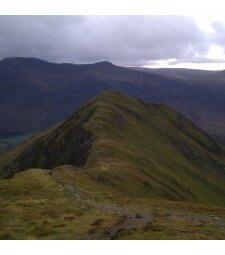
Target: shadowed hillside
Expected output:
[36,94]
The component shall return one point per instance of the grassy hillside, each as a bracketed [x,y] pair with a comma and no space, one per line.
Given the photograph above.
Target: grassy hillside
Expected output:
[118,168]
[35,204]
[127,147]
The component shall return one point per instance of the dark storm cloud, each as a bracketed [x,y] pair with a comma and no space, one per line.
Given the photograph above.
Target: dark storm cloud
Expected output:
[125,40]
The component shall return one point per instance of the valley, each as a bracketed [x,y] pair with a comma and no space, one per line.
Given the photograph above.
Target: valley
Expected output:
[8,142]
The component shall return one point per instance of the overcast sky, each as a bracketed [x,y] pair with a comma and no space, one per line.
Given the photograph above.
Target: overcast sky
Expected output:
[155,41]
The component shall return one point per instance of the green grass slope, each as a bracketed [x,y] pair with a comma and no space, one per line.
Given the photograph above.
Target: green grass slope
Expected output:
[35,206]
[125,147]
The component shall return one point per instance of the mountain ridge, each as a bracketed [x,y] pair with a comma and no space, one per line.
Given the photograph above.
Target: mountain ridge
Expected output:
[129,147]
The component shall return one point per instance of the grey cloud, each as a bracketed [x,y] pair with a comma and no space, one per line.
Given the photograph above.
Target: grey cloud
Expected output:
[125,40]
[218,37]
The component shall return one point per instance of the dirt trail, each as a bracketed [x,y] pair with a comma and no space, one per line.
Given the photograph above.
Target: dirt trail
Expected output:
[80,194]
[132,218]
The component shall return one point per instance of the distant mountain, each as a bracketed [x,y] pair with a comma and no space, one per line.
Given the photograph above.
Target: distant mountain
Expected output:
[129,147]
[36,94]
[217,76]
[175,71]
